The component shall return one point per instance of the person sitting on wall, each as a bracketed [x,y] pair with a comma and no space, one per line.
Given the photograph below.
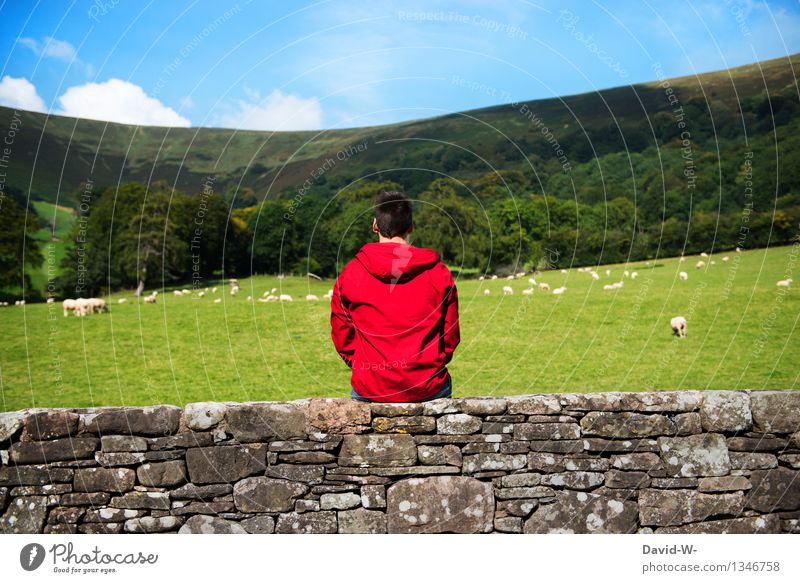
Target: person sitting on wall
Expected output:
[394,313]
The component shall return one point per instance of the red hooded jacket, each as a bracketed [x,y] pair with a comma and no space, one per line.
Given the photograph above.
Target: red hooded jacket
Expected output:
[394,321]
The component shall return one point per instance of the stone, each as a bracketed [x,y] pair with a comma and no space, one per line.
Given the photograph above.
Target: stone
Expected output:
[520,480]
[100,528]
[183,440]
[773,490]
[323,522]
[495,427]
[151,500]
[458,424]
[261,524]
[61,528]
[754,444]
[509,524]
[520,508]
[304,505]
[483,405]
[566,446]
[752,461]
[68,514]
[696,455]
[200,524]
[452,455]
[581,513]
[725,411]
[688,423]
[533,405]
[119,458]
[164,474]
[790,459]
[411,424]
[308,457]
[626,479]
[574,480]
[203,416]
[775,411]
[339,501]
[10,425]
[115,480]
[676,507]
[128,443]
[195,492]
[414,470]
[85,499]
[645,461]
[494,461]
[431,455]
[620,446]
[441,406]
[24,515]
[378,450]
[590,464]
[306,473]
[204,508]
[34,452]
[591,402]
[337,415]
[111,514]
[149,421]
[626,425]
[45,490]
[546,462]
[261,422]
[661,401]
[304,446]
[768,524]
[33,475]
[52,424]
[225,463]
[673,482]
[396,409]
[152,524]
[361,521]
[723,484]
[373,496]
[262,494]
[532,431]
[440,504]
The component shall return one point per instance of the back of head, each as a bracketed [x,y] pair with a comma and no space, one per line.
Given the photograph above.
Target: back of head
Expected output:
[393,214]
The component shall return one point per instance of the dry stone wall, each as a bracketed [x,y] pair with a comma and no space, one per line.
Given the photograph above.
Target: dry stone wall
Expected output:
[663,462]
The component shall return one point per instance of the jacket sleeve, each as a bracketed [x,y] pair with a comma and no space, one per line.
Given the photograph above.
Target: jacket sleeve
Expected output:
[452,332]
[343,332]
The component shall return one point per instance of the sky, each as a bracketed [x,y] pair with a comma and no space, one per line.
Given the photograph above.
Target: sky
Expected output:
[266,65]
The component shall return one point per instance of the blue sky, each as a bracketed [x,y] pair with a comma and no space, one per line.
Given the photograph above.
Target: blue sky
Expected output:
[331,64]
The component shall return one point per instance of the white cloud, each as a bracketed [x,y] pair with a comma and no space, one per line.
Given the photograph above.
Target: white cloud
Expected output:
[20,94]
[118,101]
[57,49]
[277,111]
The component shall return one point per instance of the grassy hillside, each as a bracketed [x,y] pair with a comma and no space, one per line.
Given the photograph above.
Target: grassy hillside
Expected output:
[55,222]
[742,333]
[54,150]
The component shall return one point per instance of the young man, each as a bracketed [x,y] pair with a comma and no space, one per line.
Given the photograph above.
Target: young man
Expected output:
[394,313]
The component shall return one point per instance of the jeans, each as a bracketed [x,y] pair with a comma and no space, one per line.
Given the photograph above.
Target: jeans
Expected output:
[446,392]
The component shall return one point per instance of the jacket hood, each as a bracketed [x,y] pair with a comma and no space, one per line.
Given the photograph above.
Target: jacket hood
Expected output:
[396,262]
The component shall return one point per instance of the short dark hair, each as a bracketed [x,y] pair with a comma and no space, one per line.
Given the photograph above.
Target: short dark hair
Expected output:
[393,213]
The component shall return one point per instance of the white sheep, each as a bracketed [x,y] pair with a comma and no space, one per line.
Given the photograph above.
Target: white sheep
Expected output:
[704,254]
[271,298]
[494,277]
[480,278]
[521,274]
[683,275]
[96,305]
[312,298]
[509,277]
[527,291]
[274,290]
[634,274]
[178,293]
[683,259]
[531,281]
[700,265]
[559,290]
[608,273]
[285,298]
[626,273]
[50,300]
[213,290]
[151,299]
[726,259]
[249,298]
[487,292]
[595,275]
[202,294]
[678,324]
[508,291]
[785,282]
[218,301]
[234,290]
[69,306]
[738,249]
[122,301]
[544,287]
[564,271]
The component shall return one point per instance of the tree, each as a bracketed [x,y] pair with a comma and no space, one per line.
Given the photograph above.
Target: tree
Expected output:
[17,225]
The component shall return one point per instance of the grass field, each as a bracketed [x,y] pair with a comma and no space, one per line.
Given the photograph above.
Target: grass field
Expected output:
[52,241]
[742,333]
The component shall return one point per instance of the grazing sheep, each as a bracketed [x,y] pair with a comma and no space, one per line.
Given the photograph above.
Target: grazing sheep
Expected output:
[559,290]
[151,299]
[202,294]
[531,281]
[544,287]
[187,292]
[608,287]
[595,275]
[265,300]
[634,274]
[678,324]
[234,290]
[96,305]
[285,298]
[785,282]
[19,303]
[178,293]
[508,291]
[704,254]
[328,295]
[218,301]
[521,274]
[527,291]
[213,290]
[738,250]
[312,298]
[726,259]
[122,301]
[487,292]
[683,275]
[713,262]
[480,278]
[683,259]
[249,298]
[274,290]
[626,273]
[69,306]
[608,273]
[564,271]
[700,265]
[50,300]
[616,285]
[271,298]
[494,277]
[510,277]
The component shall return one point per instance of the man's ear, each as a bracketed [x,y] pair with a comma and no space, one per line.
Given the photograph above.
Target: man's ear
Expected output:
[375,226]
[410,230]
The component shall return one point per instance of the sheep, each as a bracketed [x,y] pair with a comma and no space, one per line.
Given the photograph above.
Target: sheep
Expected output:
[480,278]
[544,287]
[218,301]
[559,290]
[249,298]
[678,324]
[151,299]
[234,290]
[494,277]
[285,298]
[509,277]
[122,301]
[531,281]
[50,300]
[704,254]
[527,291]
[608,287]
[96,305]
[178,293]
[613,286]
[682,259]
[19,303]
[726,259]
[69,306]
[712,262]
[508,291]
[564,271]
[521,274]
[187,292]
[595,275]
[202,294]
[608,273]
[271,298]
[328,295]
[487,292]
[683,275]
[213,290]
[700,265]
[785,282]
[738,249]
[312,298]
[274,290]
[626,273]
[265,300]
[634,274]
